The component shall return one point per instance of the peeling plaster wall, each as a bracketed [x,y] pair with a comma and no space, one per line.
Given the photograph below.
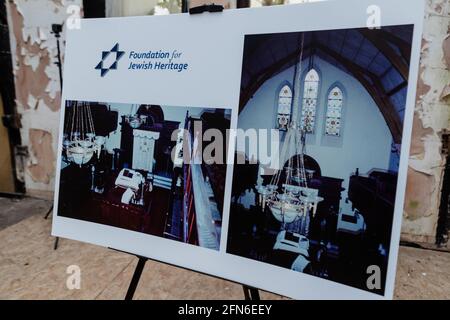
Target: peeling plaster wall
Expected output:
[432,113]
[37,84]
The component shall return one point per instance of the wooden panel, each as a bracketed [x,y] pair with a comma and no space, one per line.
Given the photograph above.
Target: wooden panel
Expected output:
[6,171]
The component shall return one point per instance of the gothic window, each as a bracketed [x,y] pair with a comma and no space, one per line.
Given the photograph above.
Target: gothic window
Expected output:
[334,112]
[284,107]
[309,104]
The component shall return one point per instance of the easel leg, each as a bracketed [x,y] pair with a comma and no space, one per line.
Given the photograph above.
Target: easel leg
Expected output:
[251,293]
[55,246]
[135,280]
[48,213]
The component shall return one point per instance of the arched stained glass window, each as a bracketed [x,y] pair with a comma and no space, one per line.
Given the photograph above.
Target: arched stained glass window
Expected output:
[284,107]
[334,112]
[309,104]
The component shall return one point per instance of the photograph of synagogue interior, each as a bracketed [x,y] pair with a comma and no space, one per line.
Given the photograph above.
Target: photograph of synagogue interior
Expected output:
[117,169]
[338,99]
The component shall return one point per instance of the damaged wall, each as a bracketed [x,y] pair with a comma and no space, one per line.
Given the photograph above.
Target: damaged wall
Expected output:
[431,116]
[37,84]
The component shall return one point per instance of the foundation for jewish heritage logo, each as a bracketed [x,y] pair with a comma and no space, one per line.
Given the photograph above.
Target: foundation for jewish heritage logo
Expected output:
[105,63]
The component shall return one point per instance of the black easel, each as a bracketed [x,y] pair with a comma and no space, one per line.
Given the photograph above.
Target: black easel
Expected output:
[56,30]
[136,277]
[206,8]
[249,292]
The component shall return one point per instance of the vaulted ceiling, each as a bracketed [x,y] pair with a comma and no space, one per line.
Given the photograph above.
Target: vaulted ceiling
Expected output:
[378,59]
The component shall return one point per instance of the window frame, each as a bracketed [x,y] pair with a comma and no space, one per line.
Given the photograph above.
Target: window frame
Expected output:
[277,96]
[327,107]
[330,140]
[319,82]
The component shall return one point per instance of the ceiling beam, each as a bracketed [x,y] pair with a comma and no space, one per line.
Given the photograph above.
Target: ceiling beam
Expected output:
[388,111]
[379,41]
[397,88]
[402,45]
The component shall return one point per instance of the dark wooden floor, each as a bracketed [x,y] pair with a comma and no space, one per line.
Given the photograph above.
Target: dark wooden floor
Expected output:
[89,208]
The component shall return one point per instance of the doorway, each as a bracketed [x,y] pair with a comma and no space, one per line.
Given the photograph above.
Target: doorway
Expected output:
[10,141]
[6,169]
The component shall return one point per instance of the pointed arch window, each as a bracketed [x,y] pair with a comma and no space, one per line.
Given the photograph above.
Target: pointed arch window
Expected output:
[309,103]
[284,107]
[333,120]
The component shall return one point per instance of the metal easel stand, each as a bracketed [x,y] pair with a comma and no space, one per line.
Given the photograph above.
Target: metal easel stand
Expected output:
[250,293]
[55,245]
[136,277]
[56,30]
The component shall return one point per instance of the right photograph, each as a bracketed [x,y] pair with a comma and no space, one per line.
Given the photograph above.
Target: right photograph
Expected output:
[336,100]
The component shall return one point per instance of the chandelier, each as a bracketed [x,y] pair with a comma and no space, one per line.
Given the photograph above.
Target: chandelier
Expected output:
[288,196]
[80,142]
[135,120]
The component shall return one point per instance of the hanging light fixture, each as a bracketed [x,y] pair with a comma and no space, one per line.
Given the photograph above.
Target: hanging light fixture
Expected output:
[287,195]
[80,142]
[133,119]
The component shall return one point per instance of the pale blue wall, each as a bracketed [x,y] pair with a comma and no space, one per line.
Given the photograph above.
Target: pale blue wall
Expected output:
[366,140]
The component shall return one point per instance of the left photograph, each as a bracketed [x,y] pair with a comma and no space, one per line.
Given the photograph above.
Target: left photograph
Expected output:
[130,166]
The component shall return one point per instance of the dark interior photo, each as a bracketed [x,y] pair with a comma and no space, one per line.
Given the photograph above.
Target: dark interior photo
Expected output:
[338,100]
[124,165]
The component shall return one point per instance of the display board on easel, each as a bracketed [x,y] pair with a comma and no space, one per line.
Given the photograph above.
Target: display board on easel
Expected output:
[156,156]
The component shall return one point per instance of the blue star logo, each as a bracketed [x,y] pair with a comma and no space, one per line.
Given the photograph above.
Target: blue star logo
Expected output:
[105,54]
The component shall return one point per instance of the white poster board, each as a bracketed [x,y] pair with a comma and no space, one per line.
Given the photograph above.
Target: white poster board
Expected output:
[161,73]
